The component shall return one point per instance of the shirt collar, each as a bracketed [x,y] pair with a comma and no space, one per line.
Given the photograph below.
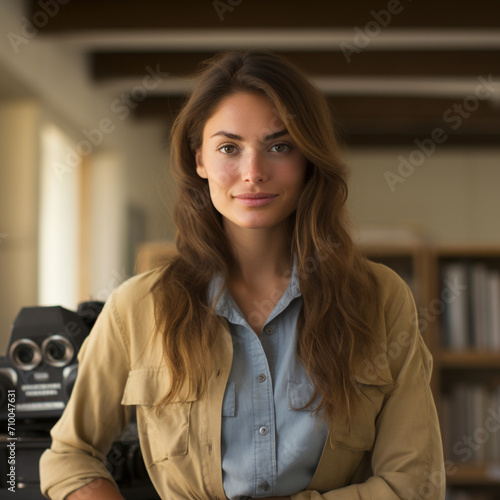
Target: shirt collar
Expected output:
[226,306]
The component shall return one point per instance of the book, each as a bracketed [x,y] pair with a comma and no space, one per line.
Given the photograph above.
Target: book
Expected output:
[454,294]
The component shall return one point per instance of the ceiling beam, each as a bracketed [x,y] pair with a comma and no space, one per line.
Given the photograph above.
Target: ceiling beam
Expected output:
[383,121]
[85,15]
[291,39]
[118,65]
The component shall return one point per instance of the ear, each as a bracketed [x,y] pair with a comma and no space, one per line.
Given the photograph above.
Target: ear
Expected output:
[200,168]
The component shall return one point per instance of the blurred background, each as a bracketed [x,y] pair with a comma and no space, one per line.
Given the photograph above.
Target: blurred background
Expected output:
[88,91]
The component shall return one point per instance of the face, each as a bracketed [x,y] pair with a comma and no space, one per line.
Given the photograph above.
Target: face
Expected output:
[254,169]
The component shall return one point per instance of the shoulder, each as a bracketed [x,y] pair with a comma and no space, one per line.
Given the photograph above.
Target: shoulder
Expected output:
[398,334]
[135,289]
[131,310]
[132,303]
[397,304]
[393,290]
[388,280]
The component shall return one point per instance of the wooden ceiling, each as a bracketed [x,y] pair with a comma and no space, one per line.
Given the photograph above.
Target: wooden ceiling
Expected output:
[393,70]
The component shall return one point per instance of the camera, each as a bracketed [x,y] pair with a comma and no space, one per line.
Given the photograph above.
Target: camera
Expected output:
[37,376]
[41,363]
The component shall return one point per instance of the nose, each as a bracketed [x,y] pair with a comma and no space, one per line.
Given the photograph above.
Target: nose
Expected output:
[254,168]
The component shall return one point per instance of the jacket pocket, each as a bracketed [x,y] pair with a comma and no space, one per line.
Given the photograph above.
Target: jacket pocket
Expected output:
[165,433]
[359,435]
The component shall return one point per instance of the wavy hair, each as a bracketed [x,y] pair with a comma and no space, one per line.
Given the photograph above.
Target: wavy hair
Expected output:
[340,295]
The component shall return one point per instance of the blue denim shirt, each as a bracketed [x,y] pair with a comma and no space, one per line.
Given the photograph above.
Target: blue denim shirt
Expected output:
[269,446]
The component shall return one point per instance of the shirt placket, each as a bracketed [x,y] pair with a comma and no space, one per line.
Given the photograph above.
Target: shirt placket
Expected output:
[265,470]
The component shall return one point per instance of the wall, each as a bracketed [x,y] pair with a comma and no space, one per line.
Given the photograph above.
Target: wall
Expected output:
[126,169]
[18,209]
[452,195]
[127,186]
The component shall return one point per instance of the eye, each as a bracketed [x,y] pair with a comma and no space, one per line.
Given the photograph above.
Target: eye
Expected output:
[227,149]
[281,148]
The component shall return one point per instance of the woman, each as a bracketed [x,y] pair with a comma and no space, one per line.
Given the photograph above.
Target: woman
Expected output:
[269,359]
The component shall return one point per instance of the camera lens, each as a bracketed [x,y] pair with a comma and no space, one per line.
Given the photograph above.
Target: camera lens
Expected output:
[57,350]
[25,354]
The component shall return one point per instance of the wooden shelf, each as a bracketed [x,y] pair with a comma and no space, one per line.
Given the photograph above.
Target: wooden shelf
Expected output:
[473,474]
[472,250]
[469,359]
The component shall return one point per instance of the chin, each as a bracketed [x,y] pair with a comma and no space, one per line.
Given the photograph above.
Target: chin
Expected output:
[258,224]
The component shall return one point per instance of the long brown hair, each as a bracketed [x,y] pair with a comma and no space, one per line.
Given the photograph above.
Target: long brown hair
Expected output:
[340,296]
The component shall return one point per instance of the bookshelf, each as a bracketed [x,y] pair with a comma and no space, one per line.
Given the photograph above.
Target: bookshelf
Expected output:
[412,258]
[471,371]
[468,359]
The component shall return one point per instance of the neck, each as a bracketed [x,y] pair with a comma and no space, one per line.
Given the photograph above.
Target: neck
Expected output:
[260,254]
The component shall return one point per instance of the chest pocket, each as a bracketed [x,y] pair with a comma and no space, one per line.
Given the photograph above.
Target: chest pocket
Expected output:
[360,434]
[163,434]
[299,394]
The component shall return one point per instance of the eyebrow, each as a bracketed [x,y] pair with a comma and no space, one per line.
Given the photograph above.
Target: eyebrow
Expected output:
[236,137]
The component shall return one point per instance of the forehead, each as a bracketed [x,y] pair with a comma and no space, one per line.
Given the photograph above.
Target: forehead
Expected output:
[244,114]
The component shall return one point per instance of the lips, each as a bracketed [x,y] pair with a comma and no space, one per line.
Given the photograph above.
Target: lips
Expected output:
[256,199]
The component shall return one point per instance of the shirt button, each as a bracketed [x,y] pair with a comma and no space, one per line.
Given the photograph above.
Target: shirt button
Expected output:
[263,430]
[269,329]
[264,486]
[261,377]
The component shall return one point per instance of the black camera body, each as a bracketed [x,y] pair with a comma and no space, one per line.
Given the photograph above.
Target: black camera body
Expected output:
[36,379]
[41,363]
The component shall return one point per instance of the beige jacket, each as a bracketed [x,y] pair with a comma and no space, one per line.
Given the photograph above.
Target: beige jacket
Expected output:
[392,451]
